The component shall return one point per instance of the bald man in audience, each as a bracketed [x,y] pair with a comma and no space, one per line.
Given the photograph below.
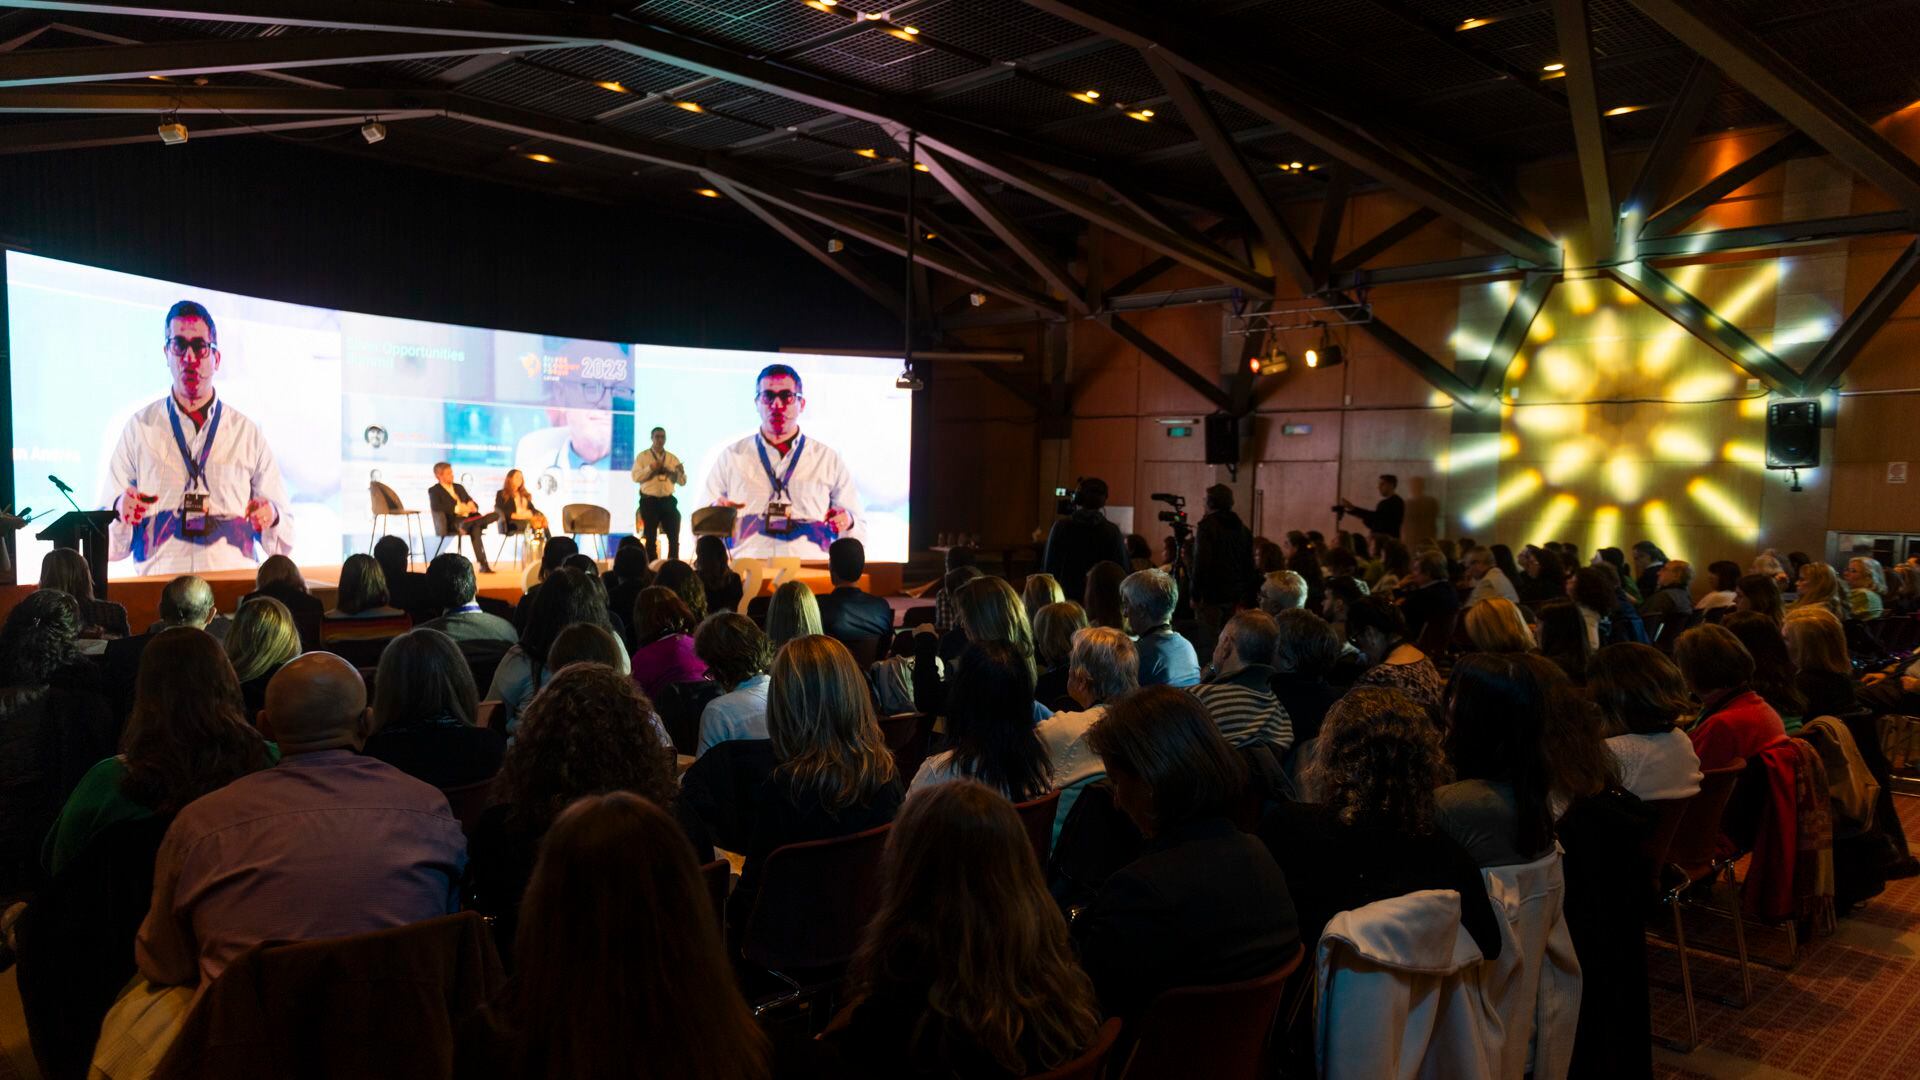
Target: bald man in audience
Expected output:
[324,844]
[185,601]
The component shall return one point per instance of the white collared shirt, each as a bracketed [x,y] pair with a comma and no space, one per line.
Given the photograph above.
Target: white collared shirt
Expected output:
[657,486]
[821,482]
[739,714]
[240,468]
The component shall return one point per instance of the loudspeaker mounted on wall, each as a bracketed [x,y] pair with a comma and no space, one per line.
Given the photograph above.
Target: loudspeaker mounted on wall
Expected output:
[1793,434]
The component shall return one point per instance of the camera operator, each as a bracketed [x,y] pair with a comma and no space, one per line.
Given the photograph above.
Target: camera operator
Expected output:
[1223,574]
[1083,538]
[1385,518]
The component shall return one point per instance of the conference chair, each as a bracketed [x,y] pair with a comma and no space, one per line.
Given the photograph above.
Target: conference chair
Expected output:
[386,504]
[1037,816]
[816,899]
[468,802]
[1690,859]
[1220,1032]
[1091,1065]
[908,736]
[586,519]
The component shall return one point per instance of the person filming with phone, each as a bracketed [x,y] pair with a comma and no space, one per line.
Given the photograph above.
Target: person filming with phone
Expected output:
[192,483]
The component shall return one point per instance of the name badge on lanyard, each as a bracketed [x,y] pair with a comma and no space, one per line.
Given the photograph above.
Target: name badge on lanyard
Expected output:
[194,516]
[777,522]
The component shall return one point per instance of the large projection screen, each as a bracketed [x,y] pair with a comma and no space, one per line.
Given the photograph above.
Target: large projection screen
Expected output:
[323,403]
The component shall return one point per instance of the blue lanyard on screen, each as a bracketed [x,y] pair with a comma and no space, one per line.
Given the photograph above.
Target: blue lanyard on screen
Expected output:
[196,469]
[793,462]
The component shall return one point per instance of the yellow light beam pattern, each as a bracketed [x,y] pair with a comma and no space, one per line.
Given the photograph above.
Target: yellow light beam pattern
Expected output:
[1606,527]
[1676,443]
[1749,454]
[1544,420]
[1724,508]
[1515,489]
[1567,461]
[1624,477]
[1554,518]
[1485,451]
[1660,528]
[1755,407]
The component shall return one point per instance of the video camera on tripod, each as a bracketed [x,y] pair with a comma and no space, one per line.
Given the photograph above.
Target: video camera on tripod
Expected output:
[1176,517]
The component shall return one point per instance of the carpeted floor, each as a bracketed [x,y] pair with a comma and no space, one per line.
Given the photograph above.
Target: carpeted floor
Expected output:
[1850,1007]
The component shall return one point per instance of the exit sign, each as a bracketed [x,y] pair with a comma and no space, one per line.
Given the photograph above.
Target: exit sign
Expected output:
[1180,432]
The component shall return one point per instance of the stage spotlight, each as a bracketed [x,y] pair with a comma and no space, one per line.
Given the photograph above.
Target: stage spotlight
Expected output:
[1325,354]
[373,131]
[835,245]
[977,299]
[173,133]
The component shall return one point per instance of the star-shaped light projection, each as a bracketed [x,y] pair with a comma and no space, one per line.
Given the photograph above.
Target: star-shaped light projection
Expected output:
[1617,424]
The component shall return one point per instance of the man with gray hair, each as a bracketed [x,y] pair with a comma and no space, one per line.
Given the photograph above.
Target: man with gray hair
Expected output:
[1237,693]
[1488,580]
[1102,667]
[1147,599]
[185,601]
[1282,590]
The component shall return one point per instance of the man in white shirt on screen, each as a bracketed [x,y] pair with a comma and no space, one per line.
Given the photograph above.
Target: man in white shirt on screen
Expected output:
[192,483]
[794,494]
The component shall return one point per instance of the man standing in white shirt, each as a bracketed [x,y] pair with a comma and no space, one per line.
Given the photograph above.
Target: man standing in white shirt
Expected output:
[193,484]
[795,495]
[1488,581]
[658,472]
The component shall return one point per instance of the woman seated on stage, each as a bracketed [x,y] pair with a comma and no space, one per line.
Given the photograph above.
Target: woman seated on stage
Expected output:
[515,506]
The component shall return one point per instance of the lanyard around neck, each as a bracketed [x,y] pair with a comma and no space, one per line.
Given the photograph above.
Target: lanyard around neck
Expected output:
[793,462]
[196,467]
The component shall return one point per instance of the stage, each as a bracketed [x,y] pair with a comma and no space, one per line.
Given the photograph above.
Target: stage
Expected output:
[141,595]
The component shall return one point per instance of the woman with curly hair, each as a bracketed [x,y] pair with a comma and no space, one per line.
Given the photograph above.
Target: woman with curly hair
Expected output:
[587,732]
[188,735]
[966,970]
[624,974]
[54,725]
[1368,831]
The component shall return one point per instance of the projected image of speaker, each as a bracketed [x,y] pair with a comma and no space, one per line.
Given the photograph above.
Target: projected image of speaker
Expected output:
[1223,440]
[1793,434]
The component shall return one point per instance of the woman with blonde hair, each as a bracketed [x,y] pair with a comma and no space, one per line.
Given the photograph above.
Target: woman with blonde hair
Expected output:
[1039,591]
[1820,588]
[991,611]
[1866,587]
[1823,670]
[1053,628]
[262,638]
[831,775]
[792,613]
[1495,625]
[967,969]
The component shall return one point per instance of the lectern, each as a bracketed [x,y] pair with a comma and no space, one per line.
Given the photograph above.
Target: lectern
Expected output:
[86,530]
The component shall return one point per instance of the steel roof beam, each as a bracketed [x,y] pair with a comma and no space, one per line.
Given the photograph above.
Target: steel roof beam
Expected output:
[109,63]
[1845,345]
[1589,132]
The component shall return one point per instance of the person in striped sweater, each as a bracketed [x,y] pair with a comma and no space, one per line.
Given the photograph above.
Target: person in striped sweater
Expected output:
[1236,691]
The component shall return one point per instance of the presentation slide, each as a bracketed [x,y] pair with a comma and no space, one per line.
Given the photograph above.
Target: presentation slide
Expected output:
[266,432]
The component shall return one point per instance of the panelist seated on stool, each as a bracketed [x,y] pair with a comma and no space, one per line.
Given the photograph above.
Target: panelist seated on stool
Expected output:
[455,513]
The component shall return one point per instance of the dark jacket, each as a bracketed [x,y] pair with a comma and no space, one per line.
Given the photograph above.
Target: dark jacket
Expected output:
[1385,517]
[446,521]
[1204,904]
[897,1034]
[120,670]
[49,737]
[1077,542]
[1648,581]
[1434,600]
[1306,699]
[1223,570]
[850,612]
[503,506]
[1333,867]
[444,751]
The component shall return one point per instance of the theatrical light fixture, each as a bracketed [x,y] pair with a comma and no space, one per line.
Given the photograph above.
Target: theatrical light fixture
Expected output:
[868,152]
[1142,115]
[977,299]
[707,191]
[1622,110]
[1325,354]
[1089,97]
[373,131]
[1093,94]
[541,158]
[910,37]
[909,381]
[1472,24]
[1273,361]
[690,106]
[1556,66]
[835,245]
[921,166]
[613,86]
[911,30]
[172,131]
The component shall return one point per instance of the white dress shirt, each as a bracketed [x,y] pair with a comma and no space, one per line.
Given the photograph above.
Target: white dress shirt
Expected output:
[646,461]
[820,482]
[741,714]
[1493,584]
[240,468]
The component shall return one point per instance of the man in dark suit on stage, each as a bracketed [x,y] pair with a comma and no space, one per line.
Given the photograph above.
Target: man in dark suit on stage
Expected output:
[850,612]
[455,512]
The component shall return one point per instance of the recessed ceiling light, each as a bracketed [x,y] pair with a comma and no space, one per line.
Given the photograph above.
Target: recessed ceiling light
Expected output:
[911,29]
[921,166]
[613,86]
[541,158]
[1622,110]
[1472,24]
[690,106]
[1144,115]
[1296,165]
[868,152]
[1555,66]
[707,191]
[1093,93]
[908,36]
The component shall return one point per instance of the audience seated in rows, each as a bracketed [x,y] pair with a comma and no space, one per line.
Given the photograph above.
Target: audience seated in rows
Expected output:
[1238,693]
[1673,594]
[1642,698]
[792,613]
[585,643]
[1489,581]
[1103,668]
[989,610]
[1774,677]
[1760,593]
[1822,671]
[686,584]
[1499,711]
[424,711]
[1305,654]
[620,966]
[588,731]
[184,601]
[406,589]
[451,583]
[1038,591]
[1733,723]
[737,655]
[990,727]
[1376,629]
[1053,628]
[1204,903]
[557,551]
[630,574]
[1428,595]
[65,570]
[664,651]
[363,609]
[1818,587]
[1561,628]
[262,640]
[1101,595]
[280,579]
[54,725]
[566,597]
[1282,590]
[720,584]
[1495,625]
[850,613]
[966,969]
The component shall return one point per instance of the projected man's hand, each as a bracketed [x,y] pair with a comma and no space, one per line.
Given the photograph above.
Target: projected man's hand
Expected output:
[840,519]
[261,514]
[134,505]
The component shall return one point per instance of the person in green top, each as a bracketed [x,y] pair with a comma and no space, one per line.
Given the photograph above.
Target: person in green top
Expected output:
[1866,587]
[188,735]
